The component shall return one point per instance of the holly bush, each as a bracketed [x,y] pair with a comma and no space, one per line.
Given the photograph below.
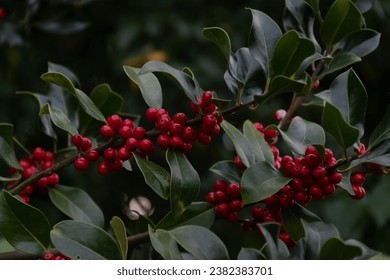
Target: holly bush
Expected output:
[266,182]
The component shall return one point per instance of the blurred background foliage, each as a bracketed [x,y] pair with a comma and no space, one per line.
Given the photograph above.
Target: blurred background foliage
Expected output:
[95,38]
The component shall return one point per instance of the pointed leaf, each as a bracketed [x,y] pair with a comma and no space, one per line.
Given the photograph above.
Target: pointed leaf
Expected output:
[290,51]
[58,118]
[260,181]
[228,170]
[342,19]
[163,242]
[25,227]
[83,241]
[7,153]
[184,184]
[200,242]
[265,32]
[220,38]
[242,145]
[77,204]
[283,84]
[189,85]
[361,42]
[260,147]
[334,123]
[148,84]
[119,234]
[338,62]
[336,249]
[276,248]
[250,254]
[14,177]
[381,131]
[155,176]
[108,101]
[54,67]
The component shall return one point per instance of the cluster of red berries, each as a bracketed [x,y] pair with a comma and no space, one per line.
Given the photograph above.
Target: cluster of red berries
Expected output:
[54,257]
[126,138]
[357,179]
[38,160]
[226,199]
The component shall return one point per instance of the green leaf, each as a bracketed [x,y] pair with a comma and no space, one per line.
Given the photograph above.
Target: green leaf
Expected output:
[265,33]
[342,19]
[184,183]
[260,181]
[301,134]
[250,254]
[108,101]
[25,227]
[54,67]
[200,242]
[198,213]
[163,242]
[381,131]
[338,62]
[148,84]
[379,154]
[119,234]
[14,177]
[155,176]
[260,147]
[83,241]
[220,38]
[290,51]
[242,145]
[77,204]
[58,118]
[189,85]
[7,153]
[360,43]
[85,102]
[276,248]
[334,123]
[336,249]
[283,84]
[345,183]
[228,170]
[363,5]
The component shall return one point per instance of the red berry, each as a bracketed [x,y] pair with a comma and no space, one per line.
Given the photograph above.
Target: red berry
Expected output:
[235,205]
[222,210]
[139,132]
[220,185]
[151,115]
[259,126]
[269,134]
[194,107]
[316,192]
[316,85]
[176,129]
[132,144]
[48,256]
[123,153]
[219,196]
[180,118]
[189,134]
[318,172]
[237,161]
[115,165]
[125,132]
[357,179]
[164,123]
[106,131]
[27,190]
[128,123]
[47,165]
[186,147]
[115,121]
[258,213]
[204,138]
[2,13]
[110,154]
[312,150]
[161,112]
[176,142]
[86,144]
[300,197]
[279,115]
[163,141]
[210,198]
[77,140]
[39,154]
[147,146]
[49,156]
[42,183]
[92,155]
[81,163]
[335,178]
[53,179]
[28,172]
[210,109]
[329,189]
[359,191]
[103,168]
[209,120]
[207,98]
[232,217]
[233,190]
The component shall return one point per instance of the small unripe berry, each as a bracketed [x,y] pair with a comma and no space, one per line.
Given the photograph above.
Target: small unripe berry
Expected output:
[106,131]
[81,163]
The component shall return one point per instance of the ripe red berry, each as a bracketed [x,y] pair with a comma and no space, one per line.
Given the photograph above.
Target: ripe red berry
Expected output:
[258,213]
[110,154]
[128,123]
[103,168]
[176,142]
[106,131]
[359,191]
[357,179]
[301,197]
[237,161]
[220,185]
[161,112]
[125,132]
[29,171]
[164,123]
[189,134]
[151,115]
[210,198]
[28,190]
[222,210]
[92,155]
[204,138]
[186,147]
[235,205]
[81,163]
[115,121]
[123,153]
[209,120]
[316,192]
[42,183]
[286,200]
[316,85]
[147,146]
[214,131]
[194,107]
[207,98]
[163,141]
[180,118]
[132,144]
[318,172]
[115,165]
[39,154]
[335,178]
[49,156]
[139,132]
[77,139]
[233,190]
[86,144]
[279,115]
[176,129]
[53,179]
[329,189]
[219,196]
[47,165]
[232,217]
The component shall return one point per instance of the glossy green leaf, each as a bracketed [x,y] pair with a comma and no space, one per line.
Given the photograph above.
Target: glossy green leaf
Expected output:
[301,134]
[189,85]
[276,248]
[120,235]
[338,62]
[250,254]
[163,242]
[342,19]
[25,227]
[7,153]
[200,242]
[198,213]
[220,38]
[381,131]
[361,42]
[14,177]
[54,67]
[83,241]
[228,170]
[345,183]
[265,33]
[380,152]
[260,181]
[85,102]
[184,183]
[242,145]
[290,51]
[367,253]
[260,147]
[315,5]
[363,5]
[76,204]
[283,84]
[334,123]
[58,118]
[108,101]
[148,84]
[336,249]
[155,176]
